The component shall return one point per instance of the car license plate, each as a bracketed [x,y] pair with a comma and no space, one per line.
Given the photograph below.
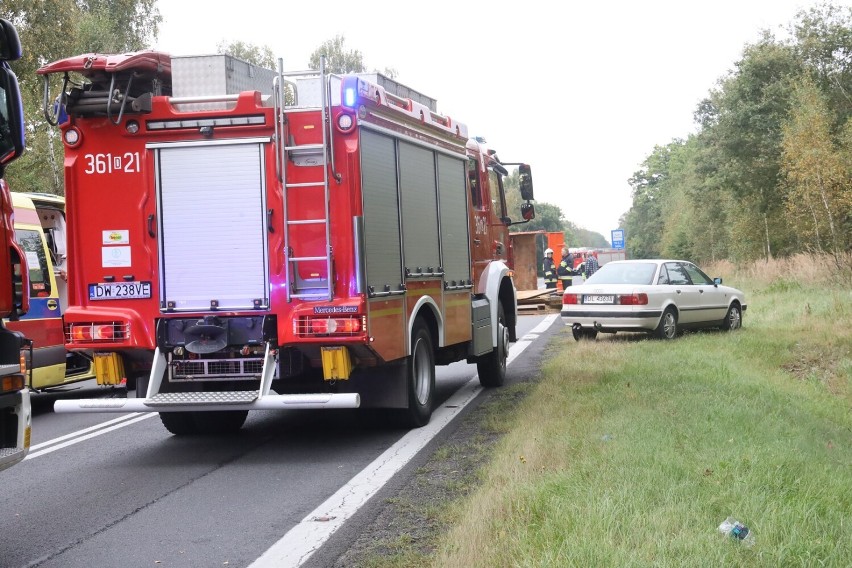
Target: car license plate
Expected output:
[119,290]
[599,300]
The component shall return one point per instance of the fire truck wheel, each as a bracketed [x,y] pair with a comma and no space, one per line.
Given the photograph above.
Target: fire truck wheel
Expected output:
[220,422]
[141,386]
[419,372]
[179,423]
[492,367]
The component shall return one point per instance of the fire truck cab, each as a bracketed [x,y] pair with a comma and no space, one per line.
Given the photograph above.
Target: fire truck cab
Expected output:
[15,410]
[277,240]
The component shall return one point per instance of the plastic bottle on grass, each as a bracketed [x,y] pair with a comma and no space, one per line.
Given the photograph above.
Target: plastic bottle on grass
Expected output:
[735,529]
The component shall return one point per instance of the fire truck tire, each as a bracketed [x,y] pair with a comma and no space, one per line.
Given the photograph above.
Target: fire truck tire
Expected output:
[179,423]
[220,422]
[492,367]
[141,386]
[419,370]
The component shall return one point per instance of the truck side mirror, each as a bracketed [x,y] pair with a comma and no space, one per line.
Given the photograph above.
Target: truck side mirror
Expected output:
[11,117]
[525,174]
[10,43]
[527,211]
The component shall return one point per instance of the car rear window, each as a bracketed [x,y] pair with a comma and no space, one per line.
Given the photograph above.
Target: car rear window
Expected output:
[624,273]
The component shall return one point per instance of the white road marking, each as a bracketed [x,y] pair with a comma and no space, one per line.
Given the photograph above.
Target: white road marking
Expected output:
[297,546]
[85,434]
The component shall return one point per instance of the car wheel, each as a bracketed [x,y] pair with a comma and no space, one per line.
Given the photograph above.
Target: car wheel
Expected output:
[667,329]
[580,333]
[734,318]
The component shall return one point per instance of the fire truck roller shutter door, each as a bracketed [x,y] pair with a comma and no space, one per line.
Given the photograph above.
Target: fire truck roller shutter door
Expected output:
[455,248]
[212,198]
[454,219]
[418,189]
[382,239]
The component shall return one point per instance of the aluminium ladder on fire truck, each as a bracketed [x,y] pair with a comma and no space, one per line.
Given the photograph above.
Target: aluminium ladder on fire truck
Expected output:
[321,287]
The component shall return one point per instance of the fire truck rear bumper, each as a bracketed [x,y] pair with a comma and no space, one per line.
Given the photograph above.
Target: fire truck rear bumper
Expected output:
[268,402]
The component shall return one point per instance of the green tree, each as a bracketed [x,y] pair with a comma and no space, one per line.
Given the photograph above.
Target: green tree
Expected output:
[752,106]
[818,200]
[823,42]
[55,29]
[548,218]
[644,222]
[337,58]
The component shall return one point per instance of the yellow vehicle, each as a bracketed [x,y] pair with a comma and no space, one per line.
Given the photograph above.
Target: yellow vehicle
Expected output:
[40,232]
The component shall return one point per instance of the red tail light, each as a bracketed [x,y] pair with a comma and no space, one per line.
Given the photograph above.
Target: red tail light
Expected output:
[103,332]
[81,332]
[640,299]
[334,326]
[89,332]
[570,299]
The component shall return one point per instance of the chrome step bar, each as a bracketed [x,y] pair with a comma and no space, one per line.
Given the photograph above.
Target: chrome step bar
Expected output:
[261,399]
[270,402]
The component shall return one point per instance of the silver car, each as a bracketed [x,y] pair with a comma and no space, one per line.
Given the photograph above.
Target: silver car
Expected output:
[658,296]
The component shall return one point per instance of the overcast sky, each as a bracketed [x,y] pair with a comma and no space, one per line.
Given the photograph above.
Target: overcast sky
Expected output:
[583,93]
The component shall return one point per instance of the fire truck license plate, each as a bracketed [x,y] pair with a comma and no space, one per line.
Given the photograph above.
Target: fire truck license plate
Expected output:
[599,300]
[119,290]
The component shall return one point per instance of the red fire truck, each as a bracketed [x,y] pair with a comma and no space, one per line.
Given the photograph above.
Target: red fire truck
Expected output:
[15,417]
[263,240]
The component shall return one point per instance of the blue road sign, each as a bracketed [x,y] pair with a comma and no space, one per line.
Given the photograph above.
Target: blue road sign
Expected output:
[618,239]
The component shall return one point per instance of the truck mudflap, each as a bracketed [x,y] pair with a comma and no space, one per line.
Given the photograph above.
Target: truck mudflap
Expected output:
[260,399]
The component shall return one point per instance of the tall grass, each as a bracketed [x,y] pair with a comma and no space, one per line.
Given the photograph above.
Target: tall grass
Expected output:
[631,452]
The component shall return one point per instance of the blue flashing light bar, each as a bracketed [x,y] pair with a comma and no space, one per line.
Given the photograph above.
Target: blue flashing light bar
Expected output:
[349,96]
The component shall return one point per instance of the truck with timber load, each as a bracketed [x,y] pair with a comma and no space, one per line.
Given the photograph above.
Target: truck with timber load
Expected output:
[243,239]
[15,410]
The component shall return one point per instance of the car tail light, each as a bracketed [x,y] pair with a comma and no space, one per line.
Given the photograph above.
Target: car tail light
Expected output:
[640,299]
[570,299]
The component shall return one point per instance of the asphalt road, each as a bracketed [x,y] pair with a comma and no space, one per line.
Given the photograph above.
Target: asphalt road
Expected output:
[119,490]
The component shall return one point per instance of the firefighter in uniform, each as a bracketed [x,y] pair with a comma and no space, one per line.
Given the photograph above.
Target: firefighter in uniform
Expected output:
[549,269]
[566,268]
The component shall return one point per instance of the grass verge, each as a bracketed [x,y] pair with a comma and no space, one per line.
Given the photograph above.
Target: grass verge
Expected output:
[631,452]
